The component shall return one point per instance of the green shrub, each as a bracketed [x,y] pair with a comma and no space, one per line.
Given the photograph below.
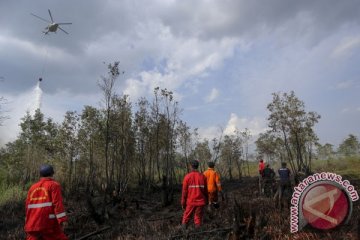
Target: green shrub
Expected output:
[11,194]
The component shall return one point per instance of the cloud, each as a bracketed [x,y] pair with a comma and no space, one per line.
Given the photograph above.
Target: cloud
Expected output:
[346,110]
[22,45]
[193,42]
[254,125]
[37,51]
[346,47]
[187,61]
[52,106]
[212,96]
[245,50]
[350,110]
[344,85]
[17,106]
[210,132]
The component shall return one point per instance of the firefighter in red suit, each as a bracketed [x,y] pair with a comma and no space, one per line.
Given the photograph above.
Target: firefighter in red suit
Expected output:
[261,169]
[194,196]
[261,166]
[45,213]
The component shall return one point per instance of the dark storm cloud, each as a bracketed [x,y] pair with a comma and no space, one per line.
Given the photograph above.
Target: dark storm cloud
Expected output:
[215,19]
[253,46]
[90,20]
[106,30]
[29,54]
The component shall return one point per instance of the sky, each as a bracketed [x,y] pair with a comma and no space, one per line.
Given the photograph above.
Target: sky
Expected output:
[222,59]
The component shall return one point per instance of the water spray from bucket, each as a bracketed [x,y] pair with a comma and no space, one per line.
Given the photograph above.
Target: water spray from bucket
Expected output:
[37,94]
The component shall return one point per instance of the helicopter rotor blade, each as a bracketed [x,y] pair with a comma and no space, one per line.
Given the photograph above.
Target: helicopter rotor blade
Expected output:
[52,20]
[63,30]
[64,23]
[40,18]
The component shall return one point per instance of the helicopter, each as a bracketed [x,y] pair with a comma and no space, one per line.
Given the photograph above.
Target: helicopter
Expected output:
[53,26]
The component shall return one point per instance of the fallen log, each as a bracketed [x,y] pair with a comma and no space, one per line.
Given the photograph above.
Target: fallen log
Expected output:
[93,233]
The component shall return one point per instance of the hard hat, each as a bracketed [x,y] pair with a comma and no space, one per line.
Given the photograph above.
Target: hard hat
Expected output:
[194,164]
[46,170]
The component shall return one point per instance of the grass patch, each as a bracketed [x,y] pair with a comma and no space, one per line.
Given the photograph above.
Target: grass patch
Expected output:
[14,193]
[253,168]
[346,166]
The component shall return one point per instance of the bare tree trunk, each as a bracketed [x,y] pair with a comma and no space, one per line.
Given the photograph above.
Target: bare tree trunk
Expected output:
[70,170]
[107,141]
[238,164]
[288,151]
[229,168]
[299,152]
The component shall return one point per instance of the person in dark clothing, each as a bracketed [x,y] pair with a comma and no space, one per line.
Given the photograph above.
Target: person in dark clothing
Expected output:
[268,176]
[268,173]
[285,182]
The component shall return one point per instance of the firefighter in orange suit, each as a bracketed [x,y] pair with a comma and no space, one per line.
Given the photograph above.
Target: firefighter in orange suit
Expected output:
[45,213]
[213,184]
[194,196]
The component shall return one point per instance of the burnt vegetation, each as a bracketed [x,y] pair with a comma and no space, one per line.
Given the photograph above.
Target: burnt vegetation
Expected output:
[242,215]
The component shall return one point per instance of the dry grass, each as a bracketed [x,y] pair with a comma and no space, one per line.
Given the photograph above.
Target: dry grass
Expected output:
[345,166]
